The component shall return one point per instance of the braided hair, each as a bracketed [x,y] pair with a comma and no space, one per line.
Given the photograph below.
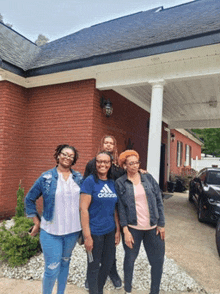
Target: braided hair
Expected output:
[115,150]
[59,149]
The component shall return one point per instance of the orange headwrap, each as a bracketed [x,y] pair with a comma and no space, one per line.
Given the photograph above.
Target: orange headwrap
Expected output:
[124,155]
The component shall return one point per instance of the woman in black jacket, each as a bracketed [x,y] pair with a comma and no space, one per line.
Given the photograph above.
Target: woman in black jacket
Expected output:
[141,216]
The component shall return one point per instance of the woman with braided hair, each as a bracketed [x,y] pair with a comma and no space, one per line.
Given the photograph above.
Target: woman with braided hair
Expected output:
[59,225]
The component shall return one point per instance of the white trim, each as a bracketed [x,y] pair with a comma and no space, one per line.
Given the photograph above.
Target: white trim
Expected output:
[190,136]
[194,124]
[184,64]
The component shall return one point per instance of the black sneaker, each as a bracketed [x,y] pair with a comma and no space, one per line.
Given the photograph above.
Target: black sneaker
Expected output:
[86,285]
[116,281]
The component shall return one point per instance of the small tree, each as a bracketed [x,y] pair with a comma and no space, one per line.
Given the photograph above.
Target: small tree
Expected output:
[7,24]
[41,40]
[20,202]
[1,18]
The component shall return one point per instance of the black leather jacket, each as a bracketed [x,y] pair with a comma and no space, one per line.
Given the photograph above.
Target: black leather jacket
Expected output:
[126,200]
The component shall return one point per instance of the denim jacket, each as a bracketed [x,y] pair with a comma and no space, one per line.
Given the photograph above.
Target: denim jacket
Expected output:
[46,186]
[126,200]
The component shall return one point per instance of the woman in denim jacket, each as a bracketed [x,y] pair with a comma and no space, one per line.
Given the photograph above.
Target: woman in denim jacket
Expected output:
[60,224]
[141,216]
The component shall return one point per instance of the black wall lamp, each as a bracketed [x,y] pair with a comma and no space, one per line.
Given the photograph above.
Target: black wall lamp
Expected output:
[172,137]
[106,105]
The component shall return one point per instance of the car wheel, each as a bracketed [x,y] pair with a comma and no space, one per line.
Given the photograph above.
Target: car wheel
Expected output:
[190,196]
[201,214]
[217,236]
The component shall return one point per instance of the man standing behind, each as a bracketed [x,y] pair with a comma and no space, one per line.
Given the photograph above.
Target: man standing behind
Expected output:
[109,144]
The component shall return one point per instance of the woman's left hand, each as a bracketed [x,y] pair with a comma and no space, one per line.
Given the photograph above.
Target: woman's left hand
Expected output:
[117,237]
[35,230]
[161,231]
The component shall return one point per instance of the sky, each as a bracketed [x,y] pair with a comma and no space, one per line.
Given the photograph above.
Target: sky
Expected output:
[58,18]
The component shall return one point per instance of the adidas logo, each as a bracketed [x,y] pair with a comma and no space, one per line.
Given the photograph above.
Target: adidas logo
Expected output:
[106,192]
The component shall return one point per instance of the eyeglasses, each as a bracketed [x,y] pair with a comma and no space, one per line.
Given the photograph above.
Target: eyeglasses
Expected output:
[110,143]
[103,161]
[134,163]
[67,155]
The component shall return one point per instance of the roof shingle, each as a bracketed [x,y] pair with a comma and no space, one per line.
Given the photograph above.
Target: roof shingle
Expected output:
[139,30]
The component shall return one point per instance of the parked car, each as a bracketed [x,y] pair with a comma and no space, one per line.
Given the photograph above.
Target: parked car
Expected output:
[204,191]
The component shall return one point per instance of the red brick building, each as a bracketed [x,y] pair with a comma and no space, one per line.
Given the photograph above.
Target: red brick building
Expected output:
[149,64]
[184,147]
[36,120]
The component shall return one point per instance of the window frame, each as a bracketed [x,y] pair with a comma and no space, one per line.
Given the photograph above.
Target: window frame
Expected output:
[179,155]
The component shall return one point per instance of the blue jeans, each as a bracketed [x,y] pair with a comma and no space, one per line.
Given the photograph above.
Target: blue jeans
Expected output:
[103,253]
[57,251]
[155,249]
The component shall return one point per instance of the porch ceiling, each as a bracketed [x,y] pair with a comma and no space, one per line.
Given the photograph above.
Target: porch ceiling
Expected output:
[192,103]
[191,91]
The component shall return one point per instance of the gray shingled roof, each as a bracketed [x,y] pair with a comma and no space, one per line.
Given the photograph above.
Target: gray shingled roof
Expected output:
[140,30]
[16,49]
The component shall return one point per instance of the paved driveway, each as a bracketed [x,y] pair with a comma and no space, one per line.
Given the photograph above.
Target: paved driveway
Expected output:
[190,243]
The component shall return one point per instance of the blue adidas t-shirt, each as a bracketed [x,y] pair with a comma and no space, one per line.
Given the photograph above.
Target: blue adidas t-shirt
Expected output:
[102,207]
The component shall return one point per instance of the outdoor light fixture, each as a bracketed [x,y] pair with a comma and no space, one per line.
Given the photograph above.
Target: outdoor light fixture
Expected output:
[172,137]
[106,105]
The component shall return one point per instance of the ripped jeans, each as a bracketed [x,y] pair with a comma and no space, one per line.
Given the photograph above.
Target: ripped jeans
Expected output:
[57,251]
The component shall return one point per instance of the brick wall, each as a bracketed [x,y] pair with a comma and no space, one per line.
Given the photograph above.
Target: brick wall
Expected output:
[34,121]
[127,121]
[13,103]
[59,114]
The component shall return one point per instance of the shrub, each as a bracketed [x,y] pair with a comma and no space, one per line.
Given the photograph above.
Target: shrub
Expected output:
[16,245]
[20,202]
[187,173]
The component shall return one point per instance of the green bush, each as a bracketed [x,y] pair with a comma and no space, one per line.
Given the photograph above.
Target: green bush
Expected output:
[20,202]
[16,245]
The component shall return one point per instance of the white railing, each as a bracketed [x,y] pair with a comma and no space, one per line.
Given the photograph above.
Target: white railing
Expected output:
[198,164]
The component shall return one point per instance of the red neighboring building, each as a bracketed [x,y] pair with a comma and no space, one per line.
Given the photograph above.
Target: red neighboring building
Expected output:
[184,146]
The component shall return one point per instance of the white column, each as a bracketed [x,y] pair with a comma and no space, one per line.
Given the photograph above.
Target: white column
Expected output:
[154,141]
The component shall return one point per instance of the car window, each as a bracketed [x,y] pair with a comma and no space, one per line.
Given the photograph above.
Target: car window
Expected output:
[202,176]
[213,178]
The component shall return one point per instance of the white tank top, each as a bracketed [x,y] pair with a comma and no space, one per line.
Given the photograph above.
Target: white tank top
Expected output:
[66,211]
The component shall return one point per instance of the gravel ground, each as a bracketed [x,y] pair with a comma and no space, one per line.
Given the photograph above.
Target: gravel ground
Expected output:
[174,278]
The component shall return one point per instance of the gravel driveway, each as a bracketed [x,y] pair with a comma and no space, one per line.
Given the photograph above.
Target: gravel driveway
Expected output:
[191,263]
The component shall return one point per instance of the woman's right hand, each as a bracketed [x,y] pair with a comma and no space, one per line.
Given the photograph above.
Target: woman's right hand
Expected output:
[35,230]
[88,243]
[129,240]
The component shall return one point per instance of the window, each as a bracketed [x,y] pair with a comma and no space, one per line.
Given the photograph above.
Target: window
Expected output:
[213,178]
[179,153]
[188,155]
[203,176]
